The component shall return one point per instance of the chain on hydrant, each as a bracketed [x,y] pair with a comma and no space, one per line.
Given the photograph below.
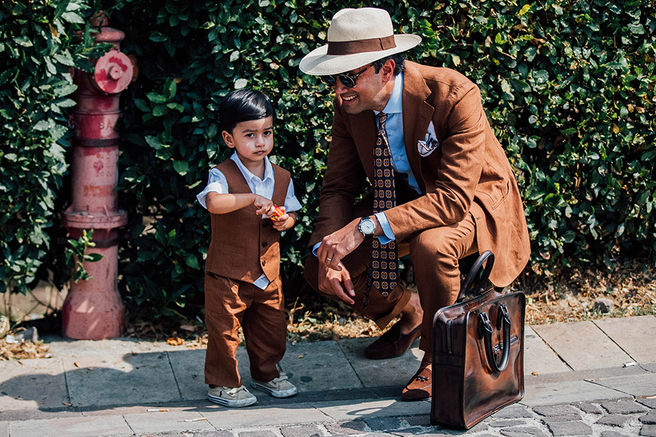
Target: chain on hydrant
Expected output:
[93,309]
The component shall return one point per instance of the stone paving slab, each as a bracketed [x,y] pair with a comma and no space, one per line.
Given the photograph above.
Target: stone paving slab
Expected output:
[188,367]
[225,418]
[302,431]
[72,427]
[4,429]
[636,385]
[319,366]
[379,373]
[63,347]
[120,380]
[633,335]
[539,358]
[171,421]
[566,340]
[343,411]
[568,392]
[189,370]
[32,384]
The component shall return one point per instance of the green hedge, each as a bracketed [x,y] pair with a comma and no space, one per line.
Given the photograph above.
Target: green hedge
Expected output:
[568,86]
[36,52]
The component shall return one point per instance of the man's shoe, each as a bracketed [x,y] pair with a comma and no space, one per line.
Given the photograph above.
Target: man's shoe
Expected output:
[278,387]
[231,396]
[392,343]
[420,386]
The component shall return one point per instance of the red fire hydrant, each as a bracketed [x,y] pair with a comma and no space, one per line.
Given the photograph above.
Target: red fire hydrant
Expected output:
[93,309]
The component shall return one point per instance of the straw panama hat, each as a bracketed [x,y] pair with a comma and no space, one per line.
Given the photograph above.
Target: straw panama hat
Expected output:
[356,37]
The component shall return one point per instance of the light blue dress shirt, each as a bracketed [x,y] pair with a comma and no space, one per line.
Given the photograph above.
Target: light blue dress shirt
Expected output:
[394,129]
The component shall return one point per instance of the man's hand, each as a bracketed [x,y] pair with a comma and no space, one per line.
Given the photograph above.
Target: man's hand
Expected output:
[336,283]
[340,243]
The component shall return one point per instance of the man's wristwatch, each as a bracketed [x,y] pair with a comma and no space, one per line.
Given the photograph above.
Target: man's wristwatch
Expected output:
[367,226]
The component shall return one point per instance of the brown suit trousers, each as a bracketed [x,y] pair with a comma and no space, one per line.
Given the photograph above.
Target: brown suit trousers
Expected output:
[230,304]
[435,255]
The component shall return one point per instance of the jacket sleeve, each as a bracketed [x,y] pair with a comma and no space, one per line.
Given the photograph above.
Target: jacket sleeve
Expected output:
[452,175]
[342,182]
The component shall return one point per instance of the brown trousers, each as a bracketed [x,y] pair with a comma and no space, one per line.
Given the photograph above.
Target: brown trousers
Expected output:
[435,255]
[230,304]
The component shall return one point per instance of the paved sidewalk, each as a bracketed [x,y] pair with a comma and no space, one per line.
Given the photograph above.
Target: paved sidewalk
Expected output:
[593,378]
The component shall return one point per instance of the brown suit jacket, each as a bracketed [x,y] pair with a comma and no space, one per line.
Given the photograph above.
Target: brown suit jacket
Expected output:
[467,173]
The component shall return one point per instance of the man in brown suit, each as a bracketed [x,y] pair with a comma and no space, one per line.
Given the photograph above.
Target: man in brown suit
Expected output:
[455,192]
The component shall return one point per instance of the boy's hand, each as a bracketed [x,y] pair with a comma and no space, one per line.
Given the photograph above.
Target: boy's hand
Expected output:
[285,221]
[263,205]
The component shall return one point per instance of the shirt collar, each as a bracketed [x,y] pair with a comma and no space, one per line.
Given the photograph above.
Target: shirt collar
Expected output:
[268,170]
[394,104]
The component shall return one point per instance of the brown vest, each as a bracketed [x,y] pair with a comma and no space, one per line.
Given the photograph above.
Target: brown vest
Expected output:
[243,244]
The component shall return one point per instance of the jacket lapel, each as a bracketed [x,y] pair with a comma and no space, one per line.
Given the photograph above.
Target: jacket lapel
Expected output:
[364,131]
[417,115]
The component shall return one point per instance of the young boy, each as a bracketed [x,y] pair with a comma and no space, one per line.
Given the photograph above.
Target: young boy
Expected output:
[242,287]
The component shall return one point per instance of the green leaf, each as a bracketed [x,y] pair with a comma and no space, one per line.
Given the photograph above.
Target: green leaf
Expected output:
[172,89]
[156,97]
[93,257]
[182,167]
[192,261]
[72,17]
[43,125]
[178,107]
[154,142]
[65,60]
[158,37]
[23,41]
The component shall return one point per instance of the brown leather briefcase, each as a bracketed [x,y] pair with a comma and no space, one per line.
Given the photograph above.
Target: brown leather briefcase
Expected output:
[478,351]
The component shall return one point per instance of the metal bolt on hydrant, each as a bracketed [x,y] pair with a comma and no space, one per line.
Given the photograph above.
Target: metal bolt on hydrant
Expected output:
[93,309]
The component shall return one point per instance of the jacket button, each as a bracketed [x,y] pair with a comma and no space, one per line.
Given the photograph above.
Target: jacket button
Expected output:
[265,224]
[264,244]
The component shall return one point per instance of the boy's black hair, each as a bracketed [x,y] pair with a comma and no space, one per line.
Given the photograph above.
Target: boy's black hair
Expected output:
[243,105]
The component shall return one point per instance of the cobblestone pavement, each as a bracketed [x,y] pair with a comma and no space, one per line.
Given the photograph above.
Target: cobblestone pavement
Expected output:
[606,419]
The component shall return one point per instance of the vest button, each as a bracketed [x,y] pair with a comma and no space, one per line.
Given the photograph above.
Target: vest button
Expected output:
[264,244]
[265,224]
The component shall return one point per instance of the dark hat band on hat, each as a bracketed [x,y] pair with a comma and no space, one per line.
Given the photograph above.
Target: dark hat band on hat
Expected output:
[359,46]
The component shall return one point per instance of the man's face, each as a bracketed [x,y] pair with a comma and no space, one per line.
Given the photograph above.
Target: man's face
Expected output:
[371,90]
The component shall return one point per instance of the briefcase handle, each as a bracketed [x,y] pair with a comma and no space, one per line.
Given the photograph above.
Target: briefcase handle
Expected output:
[496,363]
[473,272]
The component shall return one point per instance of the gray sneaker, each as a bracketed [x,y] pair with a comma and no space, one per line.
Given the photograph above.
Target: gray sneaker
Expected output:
[231,396]
[278,387]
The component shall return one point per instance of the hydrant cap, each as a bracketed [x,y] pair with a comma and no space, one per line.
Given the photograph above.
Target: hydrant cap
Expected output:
[113,72]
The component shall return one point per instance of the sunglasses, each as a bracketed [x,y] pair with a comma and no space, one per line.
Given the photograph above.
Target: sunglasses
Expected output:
[348,79]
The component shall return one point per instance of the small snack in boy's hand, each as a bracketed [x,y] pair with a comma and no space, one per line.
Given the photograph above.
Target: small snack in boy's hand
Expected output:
[277,214]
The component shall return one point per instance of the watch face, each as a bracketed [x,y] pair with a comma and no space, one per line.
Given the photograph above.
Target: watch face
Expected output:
[367,227]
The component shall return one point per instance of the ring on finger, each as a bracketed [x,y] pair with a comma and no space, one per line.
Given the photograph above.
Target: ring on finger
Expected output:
[328,259]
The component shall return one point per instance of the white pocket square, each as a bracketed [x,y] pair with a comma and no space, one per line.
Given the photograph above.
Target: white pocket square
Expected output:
[430,143]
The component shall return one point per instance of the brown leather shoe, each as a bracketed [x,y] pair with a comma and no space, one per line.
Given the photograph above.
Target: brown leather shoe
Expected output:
[420,386]
[392,343]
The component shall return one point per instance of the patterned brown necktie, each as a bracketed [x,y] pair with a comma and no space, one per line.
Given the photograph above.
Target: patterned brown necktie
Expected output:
[383,266]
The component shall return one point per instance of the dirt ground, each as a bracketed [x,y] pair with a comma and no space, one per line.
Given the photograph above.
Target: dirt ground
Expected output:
[582,295]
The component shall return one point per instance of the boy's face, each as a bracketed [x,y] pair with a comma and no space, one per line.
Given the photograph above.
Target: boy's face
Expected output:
[253,139]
